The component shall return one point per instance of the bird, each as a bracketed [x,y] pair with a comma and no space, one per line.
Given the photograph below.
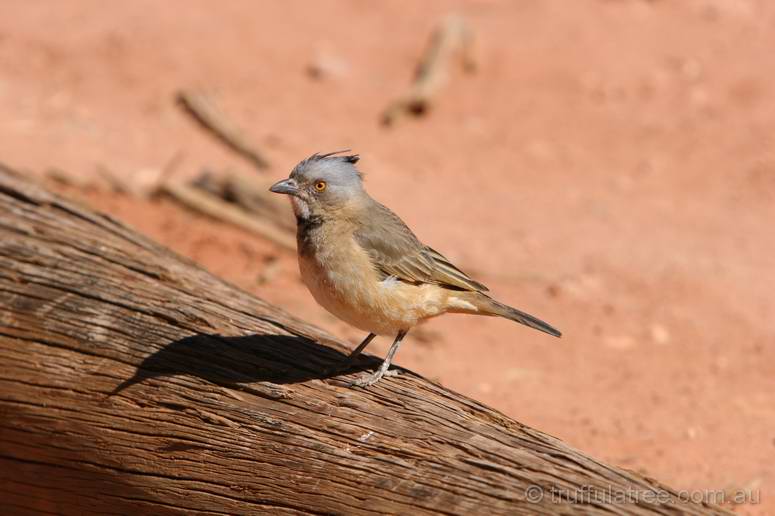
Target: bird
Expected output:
[364,265]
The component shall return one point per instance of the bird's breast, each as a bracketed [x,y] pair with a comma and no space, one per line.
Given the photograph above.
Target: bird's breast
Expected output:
[337,273]
[341,277]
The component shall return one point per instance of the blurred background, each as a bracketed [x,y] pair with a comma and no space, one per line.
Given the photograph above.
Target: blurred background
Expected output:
[607,165]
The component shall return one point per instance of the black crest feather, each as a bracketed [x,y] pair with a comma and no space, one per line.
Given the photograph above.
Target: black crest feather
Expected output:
[352,158]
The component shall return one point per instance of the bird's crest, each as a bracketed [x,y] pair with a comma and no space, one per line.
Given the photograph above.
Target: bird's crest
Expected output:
[332,156]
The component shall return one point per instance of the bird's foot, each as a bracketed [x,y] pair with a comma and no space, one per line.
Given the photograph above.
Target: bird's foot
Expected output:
[370,379]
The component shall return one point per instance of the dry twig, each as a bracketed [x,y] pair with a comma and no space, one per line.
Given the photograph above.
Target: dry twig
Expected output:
[452,35]
[203,109]
[249,193]
[212,206]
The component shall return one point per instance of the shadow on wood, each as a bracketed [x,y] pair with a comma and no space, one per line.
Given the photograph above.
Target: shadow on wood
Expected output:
[231,361]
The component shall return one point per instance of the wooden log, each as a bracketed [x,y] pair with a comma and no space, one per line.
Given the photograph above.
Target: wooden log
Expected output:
[134,382]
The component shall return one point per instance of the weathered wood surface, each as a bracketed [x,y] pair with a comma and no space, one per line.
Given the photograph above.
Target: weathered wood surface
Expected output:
[133,382]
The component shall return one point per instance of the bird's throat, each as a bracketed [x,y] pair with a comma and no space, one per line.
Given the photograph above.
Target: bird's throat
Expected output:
[300,208]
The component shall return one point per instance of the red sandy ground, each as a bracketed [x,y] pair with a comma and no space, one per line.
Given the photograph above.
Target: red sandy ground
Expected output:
[610,168]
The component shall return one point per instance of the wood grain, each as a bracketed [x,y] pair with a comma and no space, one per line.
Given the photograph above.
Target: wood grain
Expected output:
[133,382]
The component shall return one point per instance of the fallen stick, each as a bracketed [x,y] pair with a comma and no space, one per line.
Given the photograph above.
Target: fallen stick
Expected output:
[452,35]
[212,206]
[249,193]
[203,109]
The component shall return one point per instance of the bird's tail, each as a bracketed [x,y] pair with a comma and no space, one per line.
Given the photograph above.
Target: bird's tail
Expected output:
[488,306]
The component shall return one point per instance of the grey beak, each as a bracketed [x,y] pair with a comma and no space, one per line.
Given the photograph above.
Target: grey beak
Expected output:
[286,186]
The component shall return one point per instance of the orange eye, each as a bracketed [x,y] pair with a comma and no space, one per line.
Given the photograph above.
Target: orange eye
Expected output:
[320,186]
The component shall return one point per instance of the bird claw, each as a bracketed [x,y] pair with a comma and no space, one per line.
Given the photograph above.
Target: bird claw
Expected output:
[370,379]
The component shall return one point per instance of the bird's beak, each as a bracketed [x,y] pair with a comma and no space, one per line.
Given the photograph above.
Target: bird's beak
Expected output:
[286,186]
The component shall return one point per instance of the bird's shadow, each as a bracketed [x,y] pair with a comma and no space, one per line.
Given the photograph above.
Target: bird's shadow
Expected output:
[229,361]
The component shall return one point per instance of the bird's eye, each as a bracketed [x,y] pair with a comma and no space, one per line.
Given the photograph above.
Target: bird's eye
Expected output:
[320,186]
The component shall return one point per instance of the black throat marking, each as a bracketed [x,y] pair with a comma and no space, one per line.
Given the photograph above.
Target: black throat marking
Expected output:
[305,228]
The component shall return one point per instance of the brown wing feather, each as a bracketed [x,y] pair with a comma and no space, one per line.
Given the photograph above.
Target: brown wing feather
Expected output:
[396,251]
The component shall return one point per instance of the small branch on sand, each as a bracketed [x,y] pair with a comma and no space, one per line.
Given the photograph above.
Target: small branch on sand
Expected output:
[210,205]
[452,35]
[251,194]
[204,110]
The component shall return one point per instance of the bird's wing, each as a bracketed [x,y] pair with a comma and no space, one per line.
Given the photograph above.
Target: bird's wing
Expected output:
[395,251]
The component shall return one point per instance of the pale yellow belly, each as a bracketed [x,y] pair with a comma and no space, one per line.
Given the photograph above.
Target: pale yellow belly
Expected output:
[347,286]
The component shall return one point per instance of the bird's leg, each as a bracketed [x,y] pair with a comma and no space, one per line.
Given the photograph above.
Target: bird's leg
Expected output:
[347,362]
[357,351]
[371,379]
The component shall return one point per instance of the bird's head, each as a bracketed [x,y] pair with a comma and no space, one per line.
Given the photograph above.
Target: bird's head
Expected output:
[322,183]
